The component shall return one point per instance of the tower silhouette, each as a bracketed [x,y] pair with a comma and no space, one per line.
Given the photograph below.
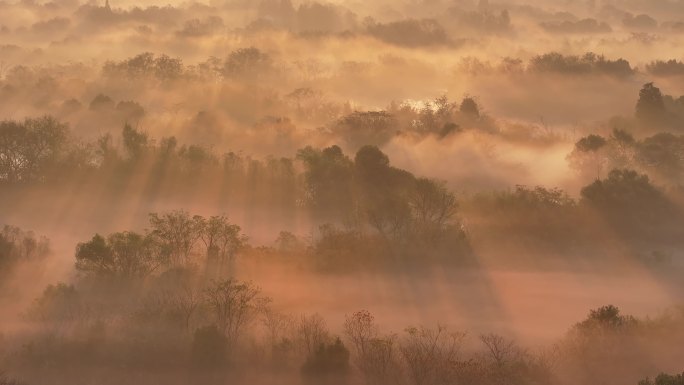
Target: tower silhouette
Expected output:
[107,7]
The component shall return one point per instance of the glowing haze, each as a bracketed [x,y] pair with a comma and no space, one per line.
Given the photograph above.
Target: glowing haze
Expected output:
[286,191]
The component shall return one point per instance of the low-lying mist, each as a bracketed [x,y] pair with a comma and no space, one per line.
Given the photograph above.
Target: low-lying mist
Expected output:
[415,192]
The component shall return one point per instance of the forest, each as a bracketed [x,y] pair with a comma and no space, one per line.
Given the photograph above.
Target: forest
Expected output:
[333,192]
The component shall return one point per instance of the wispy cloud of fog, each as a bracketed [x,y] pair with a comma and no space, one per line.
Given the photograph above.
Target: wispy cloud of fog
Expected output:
[487,199]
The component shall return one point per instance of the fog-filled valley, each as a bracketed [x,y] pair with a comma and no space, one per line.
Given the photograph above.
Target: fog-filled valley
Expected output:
[409,192]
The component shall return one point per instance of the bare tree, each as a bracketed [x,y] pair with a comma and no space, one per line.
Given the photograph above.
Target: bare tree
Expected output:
[504,360]
[431,355]
[221,238]
[234,305]
[376,356]
[380,363]
[547,358]
[312,332]
[500,350]
[360,328]
[177,232]
[186,302]
[433,206]
[277,325]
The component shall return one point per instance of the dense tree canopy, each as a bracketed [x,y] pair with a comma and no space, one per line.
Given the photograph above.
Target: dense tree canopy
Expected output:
[29,149]
[126,255]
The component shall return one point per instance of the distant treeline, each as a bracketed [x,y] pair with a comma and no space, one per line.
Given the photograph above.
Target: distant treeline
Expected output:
[369,206]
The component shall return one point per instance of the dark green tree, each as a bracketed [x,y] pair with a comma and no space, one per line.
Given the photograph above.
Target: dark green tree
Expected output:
[470,108]
[328,175]
[125,255]
[589,155]
[328,364]
[665,379]
[30,149]
[209,347]
[135,142]
[650,107]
